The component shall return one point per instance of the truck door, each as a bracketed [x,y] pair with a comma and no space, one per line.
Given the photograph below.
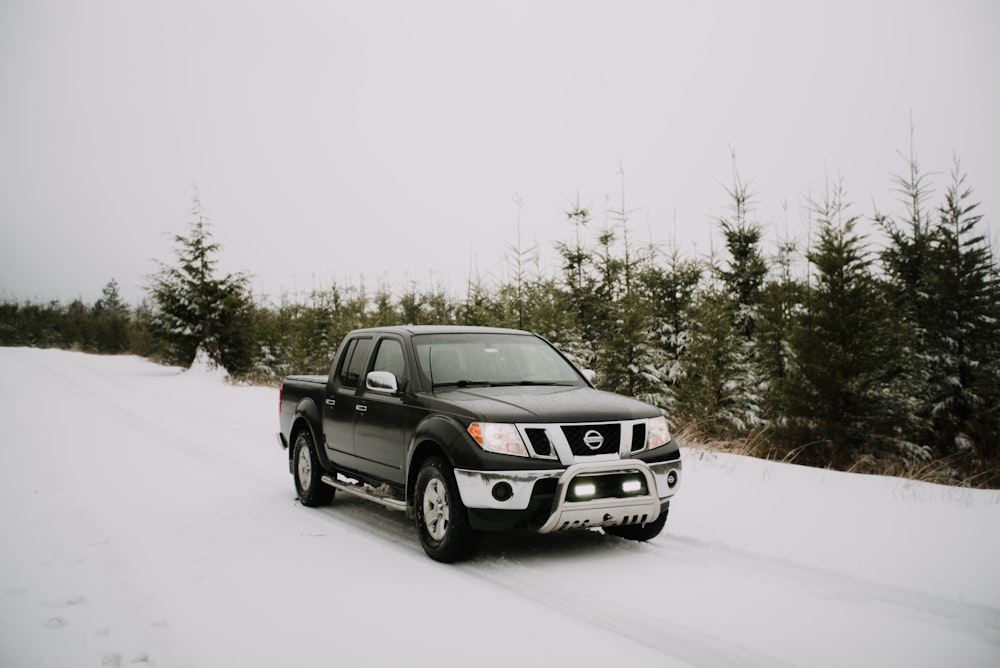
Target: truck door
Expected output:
[385,423]
[341,401]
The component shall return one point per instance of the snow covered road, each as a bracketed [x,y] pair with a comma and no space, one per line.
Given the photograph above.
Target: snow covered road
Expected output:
[147,517]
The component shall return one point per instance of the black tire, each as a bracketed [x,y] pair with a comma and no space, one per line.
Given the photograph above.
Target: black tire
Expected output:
[640,532]
[442,519]
[308,473]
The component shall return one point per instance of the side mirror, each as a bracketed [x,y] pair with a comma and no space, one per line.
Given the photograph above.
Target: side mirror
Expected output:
[382,381]
[590,375]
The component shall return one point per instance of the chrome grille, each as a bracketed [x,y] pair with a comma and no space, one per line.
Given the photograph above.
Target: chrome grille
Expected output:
[539,442]
[638,437]
[578,437]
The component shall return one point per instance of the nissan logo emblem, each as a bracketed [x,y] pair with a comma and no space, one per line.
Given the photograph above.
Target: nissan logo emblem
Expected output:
[593,439]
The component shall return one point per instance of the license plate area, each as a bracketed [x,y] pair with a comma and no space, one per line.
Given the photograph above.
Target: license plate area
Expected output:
[602,494]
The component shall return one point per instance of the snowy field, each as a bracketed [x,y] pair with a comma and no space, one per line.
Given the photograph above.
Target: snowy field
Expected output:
[147,517]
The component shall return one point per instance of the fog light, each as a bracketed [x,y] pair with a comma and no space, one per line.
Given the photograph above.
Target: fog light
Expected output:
[672,479]
[502,491]
[631,486]
[584,490]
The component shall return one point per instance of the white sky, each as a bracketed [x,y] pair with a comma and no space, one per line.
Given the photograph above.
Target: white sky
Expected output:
[390,140]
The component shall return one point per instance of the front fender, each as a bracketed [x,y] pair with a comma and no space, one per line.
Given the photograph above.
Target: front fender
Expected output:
[443,431]
[451,439]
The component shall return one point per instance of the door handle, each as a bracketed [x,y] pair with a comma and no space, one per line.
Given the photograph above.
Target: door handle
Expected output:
[331,402]
[360,407]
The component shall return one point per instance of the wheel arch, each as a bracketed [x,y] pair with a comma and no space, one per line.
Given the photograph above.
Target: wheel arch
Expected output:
[306,417]
[423,450]
[437,434]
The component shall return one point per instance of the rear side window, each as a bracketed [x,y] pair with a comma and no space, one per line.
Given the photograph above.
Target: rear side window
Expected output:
[354,361]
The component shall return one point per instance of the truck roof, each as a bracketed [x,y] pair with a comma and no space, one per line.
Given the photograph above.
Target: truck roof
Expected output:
[440,329]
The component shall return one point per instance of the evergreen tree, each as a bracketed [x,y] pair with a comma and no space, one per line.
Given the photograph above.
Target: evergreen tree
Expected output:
[838,387]
[906,260]
[141,339]
[384,313]
[551,315]
[963,343]
[111,317]
[196,308]
[314,330]
[781,298]
[579,282]
[519,258]
[745,276]
[481,309]
[77,327]
[669,291]
[720,388]
[621,335]
[906,257]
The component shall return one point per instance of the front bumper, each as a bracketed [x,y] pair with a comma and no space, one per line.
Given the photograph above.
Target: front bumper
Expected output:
[628,491]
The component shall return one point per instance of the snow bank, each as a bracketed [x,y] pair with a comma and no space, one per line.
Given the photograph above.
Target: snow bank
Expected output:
[938,540]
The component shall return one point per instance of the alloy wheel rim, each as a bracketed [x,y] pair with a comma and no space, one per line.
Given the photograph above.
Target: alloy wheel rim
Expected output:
[436,512]
[305,468]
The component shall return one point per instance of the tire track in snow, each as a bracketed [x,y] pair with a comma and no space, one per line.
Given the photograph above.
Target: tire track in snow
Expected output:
[512,563]
[919,606]
[147,414]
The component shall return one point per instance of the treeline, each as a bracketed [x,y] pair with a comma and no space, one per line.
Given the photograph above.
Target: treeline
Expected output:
[108,325]
[837,353]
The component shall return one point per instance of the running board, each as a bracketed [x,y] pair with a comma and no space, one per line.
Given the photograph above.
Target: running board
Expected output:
[365,492]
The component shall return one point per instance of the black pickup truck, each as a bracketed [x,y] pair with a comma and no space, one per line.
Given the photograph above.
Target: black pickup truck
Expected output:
[471,429]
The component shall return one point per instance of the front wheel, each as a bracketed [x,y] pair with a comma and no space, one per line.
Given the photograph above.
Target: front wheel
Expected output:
[640,532]
[442,519]
[308,473]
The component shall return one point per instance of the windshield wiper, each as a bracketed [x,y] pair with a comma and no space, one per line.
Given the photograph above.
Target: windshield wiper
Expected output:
[510,383]
[465,383]
[502,383]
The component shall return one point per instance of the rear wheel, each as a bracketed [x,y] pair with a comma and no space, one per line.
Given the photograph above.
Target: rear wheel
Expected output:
[640,532]
[308,473]
[442,519]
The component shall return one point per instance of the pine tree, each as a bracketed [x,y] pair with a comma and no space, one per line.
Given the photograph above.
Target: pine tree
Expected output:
[669,291]
[621,335]
[720,387]
[197,309]
[838,387]
[384,312]
[550,315]
[907,256]
[579,282]
[111,317]
[781,298]
[518,259]
[722,390]
[744,278]
[906,260]
[963,343]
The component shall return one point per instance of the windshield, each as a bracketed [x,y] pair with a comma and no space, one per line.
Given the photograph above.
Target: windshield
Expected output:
[491,359]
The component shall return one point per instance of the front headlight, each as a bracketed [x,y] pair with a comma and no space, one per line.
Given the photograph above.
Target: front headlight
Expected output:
[498,437]
[658,433]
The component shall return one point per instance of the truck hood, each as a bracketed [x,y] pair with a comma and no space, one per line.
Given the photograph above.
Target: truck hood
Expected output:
[545,404]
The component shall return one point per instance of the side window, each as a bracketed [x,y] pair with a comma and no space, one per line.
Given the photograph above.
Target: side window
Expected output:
[390,358]
[354,361]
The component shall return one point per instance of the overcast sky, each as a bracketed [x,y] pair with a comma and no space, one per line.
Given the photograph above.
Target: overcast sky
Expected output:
[408,141]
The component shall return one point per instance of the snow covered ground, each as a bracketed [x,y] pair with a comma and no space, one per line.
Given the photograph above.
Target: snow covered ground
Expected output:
[147,517]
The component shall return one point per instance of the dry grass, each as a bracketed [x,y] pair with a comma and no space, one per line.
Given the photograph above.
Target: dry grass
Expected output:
[954,470]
